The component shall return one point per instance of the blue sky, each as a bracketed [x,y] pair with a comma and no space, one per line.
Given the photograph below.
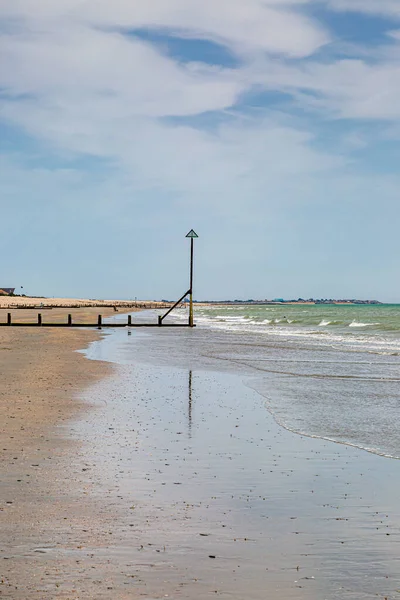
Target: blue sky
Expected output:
[271,127]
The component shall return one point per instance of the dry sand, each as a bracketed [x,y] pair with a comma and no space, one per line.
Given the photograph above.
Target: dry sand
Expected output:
[20,301]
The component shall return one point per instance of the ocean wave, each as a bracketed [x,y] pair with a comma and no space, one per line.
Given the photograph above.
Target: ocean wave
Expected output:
[228,318]
[343,333]
[384,353]
[361,324]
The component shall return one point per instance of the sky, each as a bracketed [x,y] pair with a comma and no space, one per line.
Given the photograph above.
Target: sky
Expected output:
[271,127]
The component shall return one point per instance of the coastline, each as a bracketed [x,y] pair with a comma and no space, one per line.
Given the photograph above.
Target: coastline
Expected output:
[148,479]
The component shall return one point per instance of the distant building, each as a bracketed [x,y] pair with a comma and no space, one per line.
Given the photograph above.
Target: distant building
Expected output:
[6,291]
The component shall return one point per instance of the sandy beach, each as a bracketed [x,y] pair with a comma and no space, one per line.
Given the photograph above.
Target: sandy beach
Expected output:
[22,302]
[149,479]
[41,376]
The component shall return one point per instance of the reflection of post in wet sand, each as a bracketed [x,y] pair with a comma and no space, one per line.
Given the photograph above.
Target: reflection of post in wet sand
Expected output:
[190,403]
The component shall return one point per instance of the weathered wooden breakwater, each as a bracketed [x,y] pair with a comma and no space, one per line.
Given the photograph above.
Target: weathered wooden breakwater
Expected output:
[99,324]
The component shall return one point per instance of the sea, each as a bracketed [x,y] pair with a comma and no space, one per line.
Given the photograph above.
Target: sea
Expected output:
[326,371]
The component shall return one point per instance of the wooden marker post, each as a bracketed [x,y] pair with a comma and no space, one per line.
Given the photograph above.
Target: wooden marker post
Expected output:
[192,235]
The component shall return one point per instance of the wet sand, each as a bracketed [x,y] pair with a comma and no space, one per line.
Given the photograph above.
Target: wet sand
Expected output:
[168,482]
[212,498]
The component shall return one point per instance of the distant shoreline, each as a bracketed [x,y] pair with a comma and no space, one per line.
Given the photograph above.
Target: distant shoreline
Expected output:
[293,303]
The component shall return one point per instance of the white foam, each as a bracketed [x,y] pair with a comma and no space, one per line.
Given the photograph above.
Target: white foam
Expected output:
[232,319]
[318,334]
[360,324]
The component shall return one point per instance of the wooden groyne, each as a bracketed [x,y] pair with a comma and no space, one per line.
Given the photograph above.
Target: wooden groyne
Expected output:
[99,324]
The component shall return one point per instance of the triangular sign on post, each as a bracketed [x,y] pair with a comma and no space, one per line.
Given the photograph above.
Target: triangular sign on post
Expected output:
[192,234]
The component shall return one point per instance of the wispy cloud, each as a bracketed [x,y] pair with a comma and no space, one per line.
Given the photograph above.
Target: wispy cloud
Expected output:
[381,7]
[252,26]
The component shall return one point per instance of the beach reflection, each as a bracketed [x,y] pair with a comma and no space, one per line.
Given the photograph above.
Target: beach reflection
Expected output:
[190,403]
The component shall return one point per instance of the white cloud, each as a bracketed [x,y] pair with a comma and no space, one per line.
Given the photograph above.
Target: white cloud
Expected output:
[249,158]
[68,61]
[65,63]
[346,88]
[72,78]
[121,76]
[88,89]
[254,25]
[389,8]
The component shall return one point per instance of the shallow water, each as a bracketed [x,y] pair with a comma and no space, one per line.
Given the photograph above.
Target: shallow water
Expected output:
[360,324]
[209,473]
